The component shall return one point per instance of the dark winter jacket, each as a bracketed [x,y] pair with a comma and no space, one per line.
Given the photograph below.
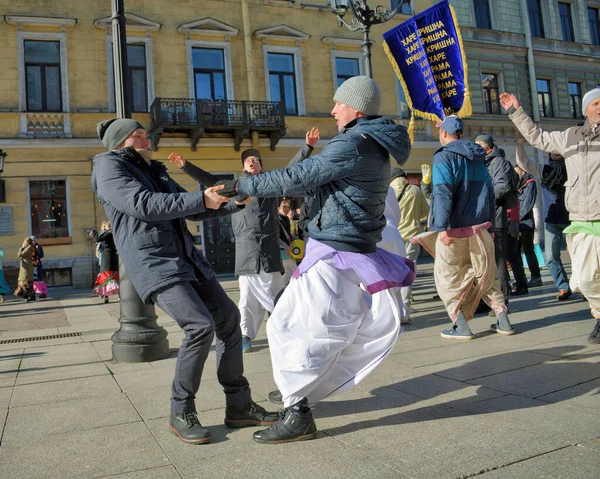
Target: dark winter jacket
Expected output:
[350,178]
[501,172]
[146,209]
[554,177]
[527,198]
[110,259]
[463,194]
[256,229]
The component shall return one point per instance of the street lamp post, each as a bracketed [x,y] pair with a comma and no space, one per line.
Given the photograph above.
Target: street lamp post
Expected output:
[139,338]
[362,19]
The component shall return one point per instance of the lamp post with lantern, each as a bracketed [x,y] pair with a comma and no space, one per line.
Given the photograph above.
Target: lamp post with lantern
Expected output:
[363,18]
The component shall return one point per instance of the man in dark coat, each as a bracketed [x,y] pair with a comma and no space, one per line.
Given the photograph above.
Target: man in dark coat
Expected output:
[147,211]
[527,199]
[501,172]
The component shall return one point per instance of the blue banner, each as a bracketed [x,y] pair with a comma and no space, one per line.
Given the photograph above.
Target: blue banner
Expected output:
[427,54]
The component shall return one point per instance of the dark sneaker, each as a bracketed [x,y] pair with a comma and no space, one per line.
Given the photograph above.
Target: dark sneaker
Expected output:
[246,344]
[563,294]
[292,426]
[535,282]
[250,414]
[519,291]
[594,337]
[275,397]
[454,334]
[503,325]
[187,427]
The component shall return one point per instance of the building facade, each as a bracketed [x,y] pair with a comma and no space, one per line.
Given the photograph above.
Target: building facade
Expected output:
[210,78]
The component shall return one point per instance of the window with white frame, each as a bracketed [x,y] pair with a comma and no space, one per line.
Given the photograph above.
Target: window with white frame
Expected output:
[42,72]
[48,204]
[346,65]
[594,23]
[544,98]
[483,17]
[138,73]
[284,81]
[491,95]
[210,74]
[566,21]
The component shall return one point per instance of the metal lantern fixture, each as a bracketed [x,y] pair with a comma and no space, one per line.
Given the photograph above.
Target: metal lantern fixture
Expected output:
[362,19]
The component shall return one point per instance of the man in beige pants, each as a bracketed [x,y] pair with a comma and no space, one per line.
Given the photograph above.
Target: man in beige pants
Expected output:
[580,146]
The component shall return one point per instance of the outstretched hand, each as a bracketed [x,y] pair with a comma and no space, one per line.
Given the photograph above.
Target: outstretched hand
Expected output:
[229,189]
[313,136]
[177,159]
[507,100]
[213,199]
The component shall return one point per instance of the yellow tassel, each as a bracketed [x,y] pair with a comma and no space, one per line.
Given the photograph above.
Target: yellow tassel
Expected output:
[411,129]
[466,109]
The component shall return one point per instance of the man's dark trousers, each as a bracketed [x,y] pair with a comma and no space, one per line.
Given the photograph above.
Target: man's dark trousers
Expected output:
[203,309]
[500,251]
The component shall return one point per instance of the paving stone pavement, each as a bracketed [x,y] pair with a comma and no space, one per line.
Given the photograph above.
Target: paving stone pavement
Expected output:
[496,407]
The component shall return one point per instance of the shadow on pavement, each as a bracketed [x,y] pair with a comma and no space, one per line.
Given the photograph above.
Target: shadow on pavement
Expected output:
[382,399]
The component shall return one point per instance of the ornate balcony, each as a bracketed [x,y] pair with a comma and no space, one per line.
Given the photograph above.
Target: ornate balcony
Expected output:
[199,117]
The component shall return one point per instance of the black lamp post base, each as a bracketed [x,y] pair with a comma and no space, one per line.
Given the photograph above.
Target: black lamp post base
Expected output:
[139,353]
[140,338]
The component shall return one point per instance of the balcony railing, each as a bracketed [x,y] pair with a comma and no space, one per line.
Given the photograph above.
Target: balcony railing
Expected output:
[199,117]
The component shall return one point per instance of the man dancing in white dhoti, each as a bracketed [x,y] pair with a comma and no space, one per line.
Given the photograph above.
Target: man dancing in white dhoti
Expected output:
[338,318]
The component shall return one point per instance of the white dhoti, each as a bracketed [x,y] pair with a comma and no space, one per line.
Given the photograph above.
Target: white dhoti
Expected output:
[585,265]
[257,296]
[327,333]
[289,264]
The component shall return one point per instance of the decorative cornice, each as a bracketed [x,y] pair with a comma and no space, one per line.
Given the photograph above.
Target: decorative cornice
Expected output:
[134,22]
[282,32]
[39,21]
[208,26]
[353,42]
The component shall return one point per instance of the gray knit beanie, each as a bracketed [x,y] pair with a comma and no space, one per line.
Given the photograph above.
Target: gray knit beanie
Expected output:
[115,131]
[588,98]
[360,93]
[487,139]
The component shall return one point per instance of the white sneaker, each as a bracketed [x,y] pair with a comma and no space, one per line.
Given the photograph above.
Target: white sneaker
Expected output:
[405,319]
[409,309]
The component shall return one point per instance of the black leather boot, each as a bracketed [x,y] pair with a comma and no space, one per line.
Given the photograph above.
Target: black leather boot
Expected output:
[188,428]
[250,414]
[295,423]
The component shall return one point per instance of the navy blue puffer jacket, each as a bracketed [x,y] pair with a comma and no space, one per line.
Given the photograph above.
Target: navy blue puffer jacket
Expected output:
[350,178]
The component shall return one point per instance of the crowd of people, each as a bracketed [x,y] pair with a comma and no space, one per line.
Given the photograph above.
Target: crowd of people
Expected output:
[328,248]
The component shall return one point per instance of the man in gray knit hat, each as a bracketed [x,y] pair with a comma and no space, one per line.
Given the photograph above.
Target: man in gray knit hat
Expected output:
[339,317]
[147,211]
[580,146]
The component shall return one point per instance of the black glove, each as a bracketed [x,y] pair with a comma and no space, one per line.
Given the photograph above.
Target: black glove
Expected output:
[230,189]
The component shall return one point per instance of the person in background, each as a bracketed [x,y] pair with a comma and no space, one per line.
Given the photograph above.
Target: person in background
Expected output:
[553,176]
[107,281]
[39,286]
[527,198]
[285,239]
[25,279]
[4,288]
[414,210]
[463,211]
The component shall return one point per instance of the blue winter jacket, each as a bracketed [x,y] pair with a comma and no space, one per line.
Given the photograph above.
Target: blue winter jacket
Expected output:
[147,212]
[463,194]
[350,178]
